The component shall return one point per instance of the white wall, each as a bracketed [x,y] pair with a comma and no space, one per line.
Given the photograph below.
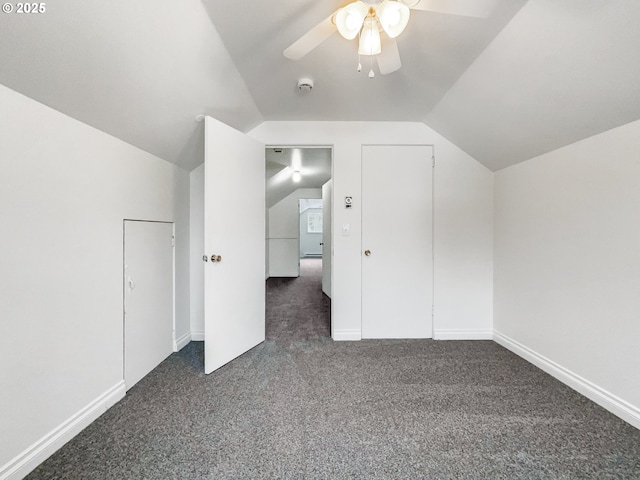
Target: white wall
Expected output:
[196,238]
[463,222]
[284,233]
[567,265]
[65,189]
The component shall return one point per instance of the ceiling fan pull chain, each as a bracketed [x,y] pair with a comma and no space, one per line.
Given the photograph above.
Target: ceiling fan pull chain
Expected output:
[371,74]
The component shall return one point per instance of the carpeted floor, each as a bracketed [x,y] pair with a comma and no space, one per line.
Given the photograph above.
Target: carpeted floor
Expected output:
[296,307]
[318,409]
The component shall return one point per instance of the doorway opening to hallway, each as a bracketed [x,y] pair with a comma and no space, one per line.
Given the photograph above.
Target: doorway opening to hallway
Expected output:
[298,242]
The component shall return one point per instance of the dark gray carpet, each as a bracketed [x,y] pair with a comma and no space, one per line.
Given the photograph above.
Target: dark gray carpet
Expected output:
[317,409]
[296,307]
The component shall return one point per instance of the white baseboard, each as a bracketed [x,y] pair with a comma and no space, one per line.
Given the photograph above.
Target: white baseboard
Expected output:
[347,335]
[351,335]
[181,342]
[463,334]
[197,336]
[20,466]
[607,400]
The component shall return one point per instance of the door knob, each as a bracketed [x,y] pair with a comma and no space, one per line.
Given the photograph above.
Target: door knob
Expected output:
[216,258]
[367,252]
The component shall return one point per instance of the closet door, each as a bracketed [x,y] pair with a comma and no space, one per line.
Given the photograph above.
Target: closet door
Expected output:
[148,297]
[397,241]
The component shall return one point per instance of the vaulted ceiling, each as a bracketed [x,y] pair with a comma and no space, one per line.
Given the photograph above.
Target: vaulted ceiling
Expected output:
[313,163]
[533,76]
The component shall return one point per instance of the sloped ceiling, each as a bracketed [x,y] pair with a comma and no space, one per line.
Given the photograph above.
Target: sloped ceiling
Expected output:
[559,72]
[140,70]
[435,50]
[534,76]
[313,163]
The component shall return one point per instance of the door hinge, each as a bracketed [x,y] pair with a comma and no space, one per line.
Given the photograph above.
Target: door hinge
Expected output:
[433,161]
[173,241]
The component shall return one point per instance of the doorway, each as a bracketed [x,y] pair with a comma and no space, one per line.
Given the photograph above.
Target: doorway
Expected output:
[297,248]
[310,226]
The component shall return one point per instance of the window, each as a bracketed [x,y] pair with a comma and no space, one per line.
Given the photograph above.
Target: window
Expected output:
[314,223]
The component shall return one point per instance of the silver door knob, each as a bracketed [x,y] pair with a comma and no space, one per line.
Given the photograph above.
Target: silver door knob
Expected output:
[216,258]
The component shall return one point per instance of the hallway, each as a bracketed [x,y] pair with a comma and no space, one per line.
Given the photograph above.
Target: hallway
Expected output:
[297,310]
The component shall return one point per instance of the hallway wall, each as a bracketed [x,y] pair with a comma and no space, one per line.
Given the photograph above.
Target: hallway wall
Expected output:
[284,233]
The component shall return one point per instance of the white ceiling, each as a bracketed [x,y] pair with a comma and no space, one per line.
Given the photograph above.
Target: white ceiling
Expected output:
[313,163]
[435,50]
[561,71]
[532,77]
[140,70]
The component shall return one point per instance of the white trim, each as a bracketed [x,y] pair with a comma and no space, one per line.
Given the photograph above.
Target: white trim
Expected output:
[197,335]
[619,407]
[347,335]
[462,334]
[181,342]
[20,466]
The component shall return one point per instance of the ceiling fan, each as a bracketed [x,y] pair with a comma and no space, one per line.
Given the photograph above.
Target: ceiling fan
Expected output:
[377,23]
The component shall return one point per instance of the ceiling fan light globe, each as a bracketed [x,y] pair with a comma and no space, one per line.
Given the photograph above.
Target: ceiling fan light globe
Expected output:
[410,3]
[370,38]
[351,22]
[349,19]
[393,17]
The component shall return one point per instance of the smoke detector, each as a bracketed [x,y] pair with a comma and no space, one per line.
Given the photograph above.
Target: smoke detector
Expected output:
[305,85]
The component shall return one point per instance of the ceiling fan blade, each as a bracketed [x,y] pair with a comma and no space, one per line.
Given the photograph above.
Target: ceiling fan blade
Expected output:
[389,58]
[466,8]
[311,39]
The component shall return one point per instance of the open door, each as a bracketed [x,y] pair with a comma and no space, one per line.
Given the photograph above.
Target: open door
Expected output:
[234,226]
[326,237]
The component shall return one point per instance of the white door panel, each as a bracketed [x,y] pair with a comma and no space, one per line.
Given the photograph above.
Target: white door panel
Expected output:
[327,247]
[234,308]
[148,285]
[397,276]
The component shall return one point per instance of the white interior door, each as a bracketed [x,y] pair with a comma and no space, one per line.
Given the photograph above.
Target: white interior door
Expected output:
[148,298]
[234,226]
[326,237]
[397,251]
